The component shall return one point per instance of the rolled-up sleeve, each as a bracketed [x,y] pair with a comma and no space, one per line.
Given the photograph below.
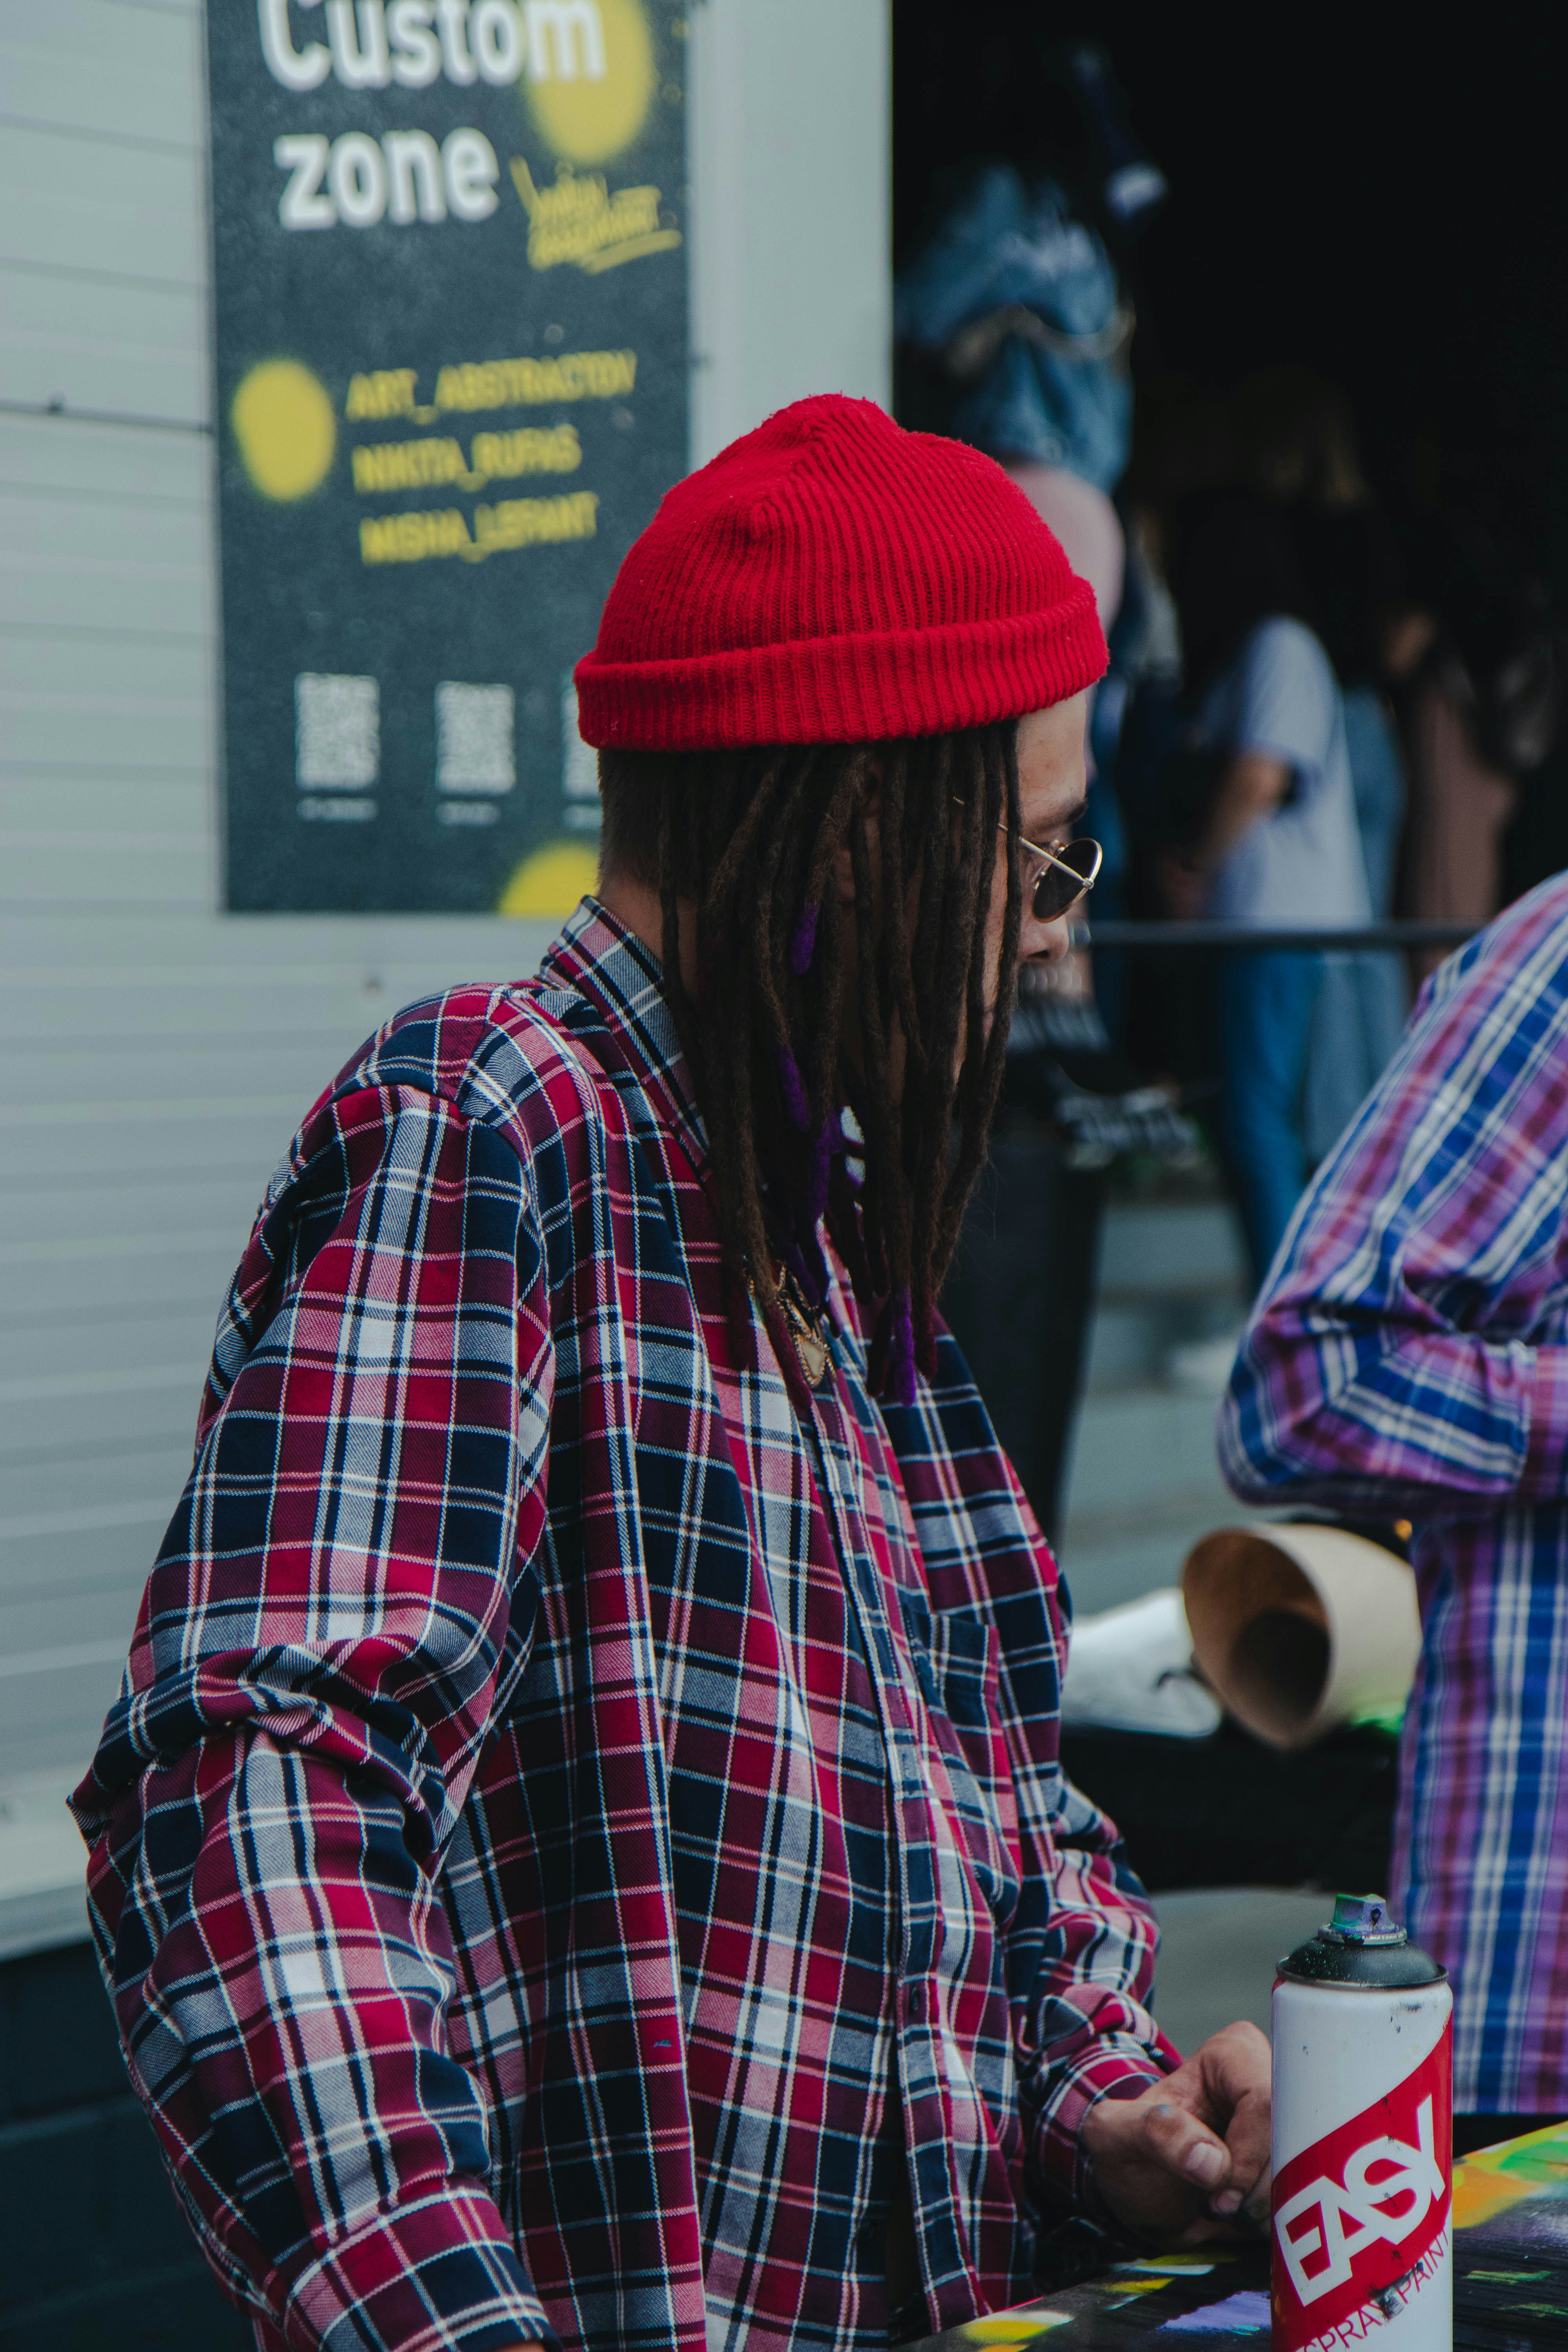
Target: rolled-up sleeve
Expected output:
[314,1667]
[1090,2032]
[1407,1353]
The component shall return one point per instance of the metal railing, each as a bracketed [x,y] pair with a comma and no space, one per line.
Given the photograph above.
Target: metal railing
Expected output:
[1248,939]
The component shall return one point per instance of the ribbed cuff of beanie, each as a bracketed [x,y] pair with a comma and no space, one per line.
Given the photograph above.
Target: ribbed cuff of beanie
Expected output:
[866,688]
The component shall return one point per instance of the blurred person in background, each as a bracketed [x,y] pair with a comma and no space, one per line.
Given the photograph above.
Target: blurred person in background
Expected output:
[1479,702]
[1408,1358]
[1013,303]
[1296,445]
[1263,811]
[1015,324]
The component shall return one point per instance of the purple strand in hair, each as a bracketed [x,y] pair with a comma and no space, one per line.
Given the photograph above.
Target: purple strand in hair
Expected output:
[793,1090]
[925,1354]
[804,945]
[901,1350]
[793,1257]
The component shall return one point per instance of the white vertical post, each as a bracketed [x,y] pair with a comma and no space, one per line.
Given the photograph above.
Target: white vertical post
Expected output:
[791,170]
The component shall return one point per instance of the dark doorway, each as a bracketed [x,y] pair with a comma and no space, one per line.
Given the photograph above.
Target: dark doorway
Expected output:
[1357,191]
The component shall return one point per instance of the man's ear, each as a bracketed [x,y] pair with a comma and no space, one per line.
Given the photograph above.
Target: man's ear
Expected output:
[842,865]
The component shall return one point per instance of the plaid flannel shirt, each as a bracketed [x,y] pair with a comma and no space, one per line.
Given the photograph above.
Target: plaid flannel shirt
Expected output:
[559,1794]
[1409,1356]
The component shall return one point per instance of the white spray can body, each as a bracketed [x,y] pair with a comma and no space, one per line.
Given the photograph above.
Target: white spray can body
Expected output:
[1361,2235]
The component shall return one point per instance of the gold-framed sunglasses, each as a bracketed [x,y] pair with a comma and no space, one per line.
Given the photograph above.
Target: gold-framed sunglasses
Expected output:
[1065,876]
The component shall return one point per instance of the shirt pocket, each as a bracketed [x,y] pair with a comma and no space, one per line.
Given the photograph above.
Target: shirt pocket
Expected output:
[957,1659]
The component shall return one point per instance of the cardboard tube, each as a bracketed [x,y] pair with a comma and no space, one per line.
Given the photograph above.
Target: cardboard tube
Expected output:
[1297,1628]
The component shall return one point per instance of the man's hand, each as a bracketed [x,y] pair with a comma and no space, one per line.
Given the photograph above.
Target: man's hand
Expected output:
[1188,2158]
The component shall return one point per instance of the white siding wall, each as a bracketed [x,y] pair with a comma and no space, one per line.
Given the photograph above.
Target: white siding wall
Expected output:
[156,1055]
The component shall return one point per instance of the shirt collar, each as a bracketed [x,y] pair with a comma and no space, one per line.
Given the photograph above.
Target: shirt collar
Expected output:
[597,956]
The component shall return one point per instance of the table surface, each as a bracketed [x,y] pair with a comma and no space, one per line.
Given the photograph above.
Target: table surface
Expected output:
[1511,2277]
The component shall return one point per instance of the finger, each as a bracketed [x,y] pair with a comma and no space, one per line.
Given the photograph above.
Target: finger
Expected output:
[1248,2139]
[1175,2139]
[1236,2070]
[1254,2207]
[1235,2063]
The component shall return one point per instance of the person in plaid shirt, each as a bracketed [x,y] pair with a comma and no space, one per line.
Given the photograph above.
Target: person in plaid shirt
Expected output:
[1408,1355]
[580,1854]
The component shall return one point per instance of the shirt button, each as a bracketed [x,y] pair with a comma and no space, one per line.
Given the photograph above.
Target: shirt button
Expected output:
[917,2002]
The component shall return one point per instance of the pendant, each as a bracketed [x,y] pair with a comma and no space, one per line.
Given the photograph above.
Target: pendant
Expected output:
[812,1354]
[807,1327]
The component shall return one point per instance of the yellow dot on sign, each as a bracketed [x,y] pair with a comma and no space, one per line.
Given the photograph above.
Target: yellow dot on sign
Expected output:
[551,881]
[284,425]
[587,106]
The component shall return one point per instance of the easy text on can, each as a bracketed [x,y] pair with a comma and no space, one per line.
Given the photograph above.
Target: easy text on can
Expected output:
[1362,2241]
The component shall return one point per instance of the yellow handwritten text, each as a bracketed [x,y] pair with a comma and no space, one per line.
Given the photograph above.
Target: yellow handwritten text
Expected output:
[535,522]
[413,538]
[387,392]
[499,456]
[383,466]
[579,220]
[510,384]
[407,464]
[511,523]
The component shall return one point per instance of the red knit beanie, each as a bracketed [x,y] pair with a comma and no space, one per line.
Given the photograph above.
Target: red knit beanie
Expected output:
[833,579]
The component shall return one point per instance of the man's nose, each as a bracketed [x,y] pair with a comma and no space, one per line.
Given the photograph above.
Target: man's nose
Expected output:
[1045,942]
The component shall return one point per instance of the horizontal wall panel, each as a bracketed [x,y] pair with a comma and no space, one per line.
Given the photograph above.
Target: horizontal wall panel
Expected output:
[75,1077]
[50,1362]
[107,1548]
[105,1381]
[332,1016]
[327,1026]
[93,1272]
[184,1141]
[38,1631]
[413,955]
[52,1718]
[36,869]
[131,807]
[126,350]
[103,67]
[92,1483]
[103,669]
[80,703]
[89,563]
[70,1220]
[62,456]
[116,211]
[100,1536]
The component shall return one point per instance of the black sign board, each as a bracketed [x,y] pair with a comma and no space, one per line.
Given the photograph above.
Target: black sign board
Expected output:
[450,319]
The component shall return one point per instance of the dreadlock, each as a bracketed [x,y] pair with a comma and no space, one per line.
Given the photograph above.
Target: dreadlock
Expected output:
[750,838]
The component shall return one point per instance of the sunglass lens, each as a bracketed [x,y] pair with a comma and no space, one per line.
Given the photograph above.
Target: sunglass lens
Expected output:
[1055,891]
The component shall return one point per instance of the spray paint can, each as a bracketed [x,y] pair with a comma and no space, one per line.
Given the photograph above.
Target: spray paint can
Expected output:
[1362,2236]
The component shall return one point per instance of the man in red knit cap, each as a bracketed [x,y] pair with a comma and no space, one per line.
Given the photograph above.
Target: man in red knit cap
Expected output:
[581,1855]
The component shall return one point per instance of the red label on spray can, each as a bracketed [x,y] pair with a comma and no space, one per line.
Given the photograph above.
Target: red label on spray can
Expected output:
[1365,2207]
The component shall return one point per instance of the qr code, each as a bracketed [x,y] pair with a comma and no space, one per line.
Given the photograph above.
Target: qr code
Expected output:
[475,739]
[337,731]
[579,761]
